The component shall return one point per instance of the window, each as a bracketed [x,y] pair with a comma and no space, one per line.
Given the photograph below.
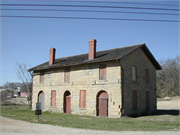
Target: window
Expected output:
[146,75]
[102,72]
[67,75]
[83,99]
[134,99]
[134,71]
[42,77]
[53,98]
[147,100]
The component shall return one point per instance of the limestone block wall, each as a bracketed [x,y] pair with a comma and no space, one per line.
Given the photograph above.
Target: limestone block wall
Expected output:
[82,77]
[140,60]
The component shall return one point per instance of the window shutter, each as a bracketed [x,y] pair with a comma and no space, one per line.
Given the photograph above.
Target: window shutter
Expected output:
[147,100]
[134,100]
[146,75]
[134,73]
[83,99]
[102,72]
[53,98]
[67,75]
[41,77]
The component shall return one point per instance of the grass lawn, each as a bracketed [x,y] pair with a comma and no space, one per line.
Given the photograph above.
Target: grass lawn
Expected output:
[160,122]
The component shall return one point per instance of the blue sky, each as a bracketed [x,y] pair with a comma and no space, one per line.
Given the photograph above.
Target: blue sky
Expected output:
[28,40]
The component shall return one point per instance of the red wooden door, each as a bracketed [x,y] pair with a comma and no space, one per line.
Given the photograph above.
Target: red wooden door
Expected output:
[68,104]
[103,104]
[103,107]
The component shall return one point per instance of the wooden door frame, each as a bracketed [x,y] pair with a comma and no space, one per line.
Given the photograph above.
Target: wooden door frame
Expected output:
[97,102]
[42,105]
[66,93]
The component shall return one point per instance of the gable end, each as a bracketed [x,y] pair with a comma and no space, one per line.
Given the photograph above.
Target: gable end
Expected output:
[151,57]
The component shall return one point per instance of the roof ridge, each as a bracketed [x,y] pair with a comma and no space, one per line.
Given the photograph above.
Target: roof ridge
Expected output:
[100,51]
[122,47]
[71,56]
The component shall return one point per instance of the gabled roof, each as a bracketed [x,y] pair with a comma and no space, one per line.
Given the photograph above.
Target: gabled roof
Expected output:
[101,56]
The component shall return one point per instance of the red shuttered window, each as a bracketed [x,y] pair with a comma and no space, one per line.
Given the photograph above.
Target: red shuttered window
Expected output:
[147,100]
[102,72]
[67,75]
[134,99]
[146,75]
[53,98]
[83,99]
[42,77]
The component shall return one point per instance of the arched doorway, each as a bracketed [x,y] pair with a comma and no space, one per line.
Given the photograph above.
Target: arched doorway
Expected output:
[41,99]
[67,102]
[102,104]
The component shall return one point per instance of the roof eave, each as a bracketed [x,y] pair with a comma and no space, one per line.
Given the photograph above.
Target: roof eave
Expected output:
[89,62]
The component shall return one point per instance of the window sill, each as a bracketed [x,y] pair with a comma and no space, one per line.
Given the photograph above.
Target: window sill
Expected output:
[67,82]
[82,108]
[134,81]
[102,80]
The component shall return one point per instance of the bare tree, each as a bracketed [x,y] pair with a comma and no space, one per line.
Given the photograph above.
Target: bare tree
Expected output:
[6,85]
[168,77]
[26,78]
[4,96]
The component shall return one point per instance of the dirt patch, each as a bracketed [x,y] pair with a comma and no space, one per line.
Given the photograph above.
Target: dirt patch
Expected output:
[40,120]
[171,103]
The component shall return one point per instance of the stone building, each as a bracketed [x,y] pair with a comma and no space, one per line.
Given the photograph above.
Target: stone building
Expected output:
[108,83]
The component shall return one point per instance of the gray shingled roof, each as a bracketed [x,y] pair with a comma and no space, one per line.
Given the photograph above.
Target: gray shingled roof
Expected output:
[105,55]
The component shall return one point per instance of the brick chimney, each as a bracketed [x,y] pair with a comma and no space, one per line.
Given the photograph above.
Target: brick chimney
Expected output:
[52,56]
[92,49]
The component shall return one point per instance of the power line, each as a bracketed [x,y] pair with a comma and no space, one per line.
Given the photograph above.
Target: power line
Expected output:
[92,11]
[115,19]
[125,7]
[119,2]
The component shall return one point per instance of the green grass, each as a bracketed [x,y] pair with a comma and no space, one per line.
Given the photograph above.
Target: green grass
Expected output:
[159,122]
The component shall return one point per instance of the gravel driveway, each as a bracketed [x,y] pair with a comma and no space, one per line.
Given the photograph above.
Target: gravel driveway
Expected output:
[14,127]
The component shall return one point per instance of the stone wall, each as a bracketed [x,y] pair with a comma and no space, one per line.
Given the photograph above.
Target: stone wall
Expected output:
[86,77]
[82,77]
[140,60]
